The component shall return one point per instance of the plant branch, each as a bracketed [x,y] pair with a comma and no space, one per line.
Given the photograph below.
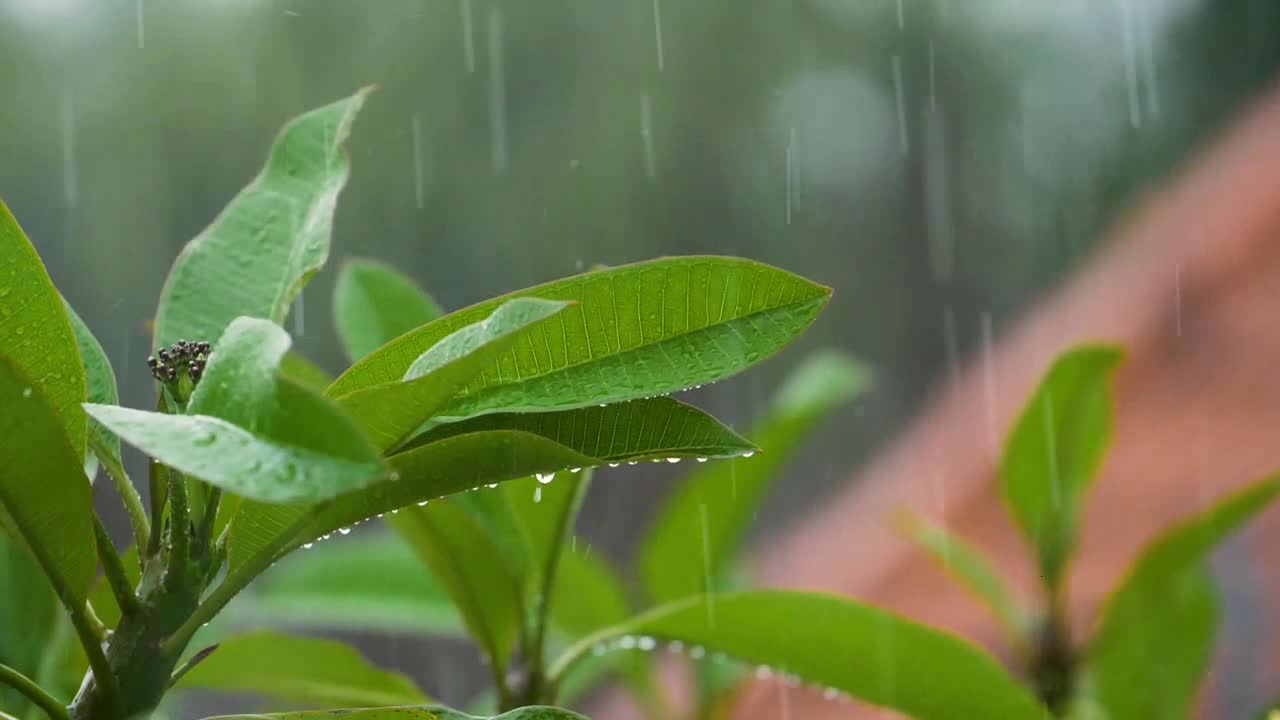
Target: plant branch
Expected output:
[179,530]
[113,568]
[33,692]
[210,517]
[125,489]
[158,480]
[236,580]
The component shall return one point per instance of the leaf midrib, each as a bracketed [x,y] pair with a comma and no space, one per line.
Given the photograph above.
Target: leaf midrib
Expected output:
[619,357]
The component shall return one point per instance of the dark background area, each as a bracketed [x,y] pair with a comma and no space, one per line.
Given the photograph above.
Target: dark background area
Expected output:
[939,163]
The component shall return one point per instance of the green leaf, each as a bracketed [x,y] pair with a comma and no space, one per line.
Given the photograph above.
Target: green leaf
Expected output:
[432,471]
[589,594]
[443,467]
[259,252]
[100,381]
[252,432]
[472,570]
[698,530]
[390,412]
[1155,639]
[412,713]
[966,563]
[304,372]
[655,429]
[374,303]
[1055,450]
[43,491]
[28,616]
[35,332]
[856,649]
[366,582]
[636,331]
[299,669]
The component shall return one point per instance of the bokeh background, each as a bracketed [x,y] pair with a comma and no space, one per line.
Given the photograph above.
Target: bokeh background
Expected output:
[940,163]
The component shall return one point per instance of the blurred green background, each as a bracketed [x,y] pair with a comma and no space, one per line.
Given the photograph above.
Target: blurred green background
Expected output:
[939,163]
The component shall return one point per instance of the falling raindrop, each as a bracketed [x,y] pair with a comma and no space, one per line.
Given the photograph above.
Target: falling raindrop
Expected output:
[70,179]
[1131,64]
[900,94]
[537,494]
[646,134]
[299,316]
[657,33]
[26,392]
[468,37]
[497,93]
[418,188]
[142,38]
[988,379]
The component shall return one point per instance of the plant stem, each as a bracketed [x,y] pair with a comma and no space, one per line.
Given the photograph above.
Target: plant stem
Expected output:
[563,529]
[113,568]
[210,517]
[33,692]
[179,530]
[236,580]
[125,489]
[158,480]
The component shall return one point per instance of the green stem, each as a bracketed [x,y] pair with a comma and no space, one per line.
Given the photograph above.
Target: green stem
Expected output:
[113,568]
[179,530]
[210,517]
[33,692]
[563,529]
[236,580]
[125,489]
[158,480]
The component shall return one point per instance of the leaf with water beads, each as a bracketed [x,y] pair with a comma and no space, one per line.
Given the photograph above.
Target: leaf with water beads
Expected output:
[658,428]
[848,647]
[252,432]
[635,331]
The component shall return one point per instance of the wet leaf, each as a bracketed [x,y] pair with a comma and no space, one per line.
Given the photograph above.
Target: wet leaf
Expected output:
[697,532]
[374,303]
[252,432]
[259,252]
[866,652]
[390,412]
[653,429]
[304,372]
[35,332]
[293,668]
[635,331]
[100,381]
[1155,640]
[45,498]
[472,570]
[1054,452]
[362,583]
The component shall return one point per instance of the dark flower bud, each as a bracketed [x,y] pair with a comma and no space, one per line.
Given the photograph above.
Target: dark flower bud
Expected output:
[164,355]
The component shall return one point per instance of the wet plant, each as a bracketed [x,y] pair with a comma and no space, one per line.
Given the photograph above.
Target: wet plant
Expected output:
[473,434]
